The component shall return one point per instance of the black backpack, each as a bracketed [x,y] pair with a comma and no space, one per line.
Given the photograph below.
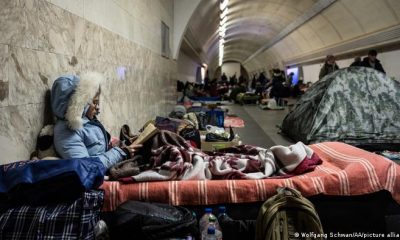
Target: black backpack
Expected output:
[143,220]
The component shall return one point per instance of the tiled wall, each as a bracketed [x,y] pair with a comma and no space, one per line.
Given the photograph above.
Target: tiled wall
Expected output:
[40,40]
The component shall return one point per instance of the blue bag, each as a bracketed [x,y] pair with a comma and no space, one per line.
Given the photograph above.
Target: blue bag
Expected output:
[38,182]
[215,117]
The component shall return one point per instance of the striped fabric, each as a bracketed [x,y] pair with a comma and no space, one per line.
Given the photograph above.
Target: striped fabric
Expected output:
[345,171]
[62,221]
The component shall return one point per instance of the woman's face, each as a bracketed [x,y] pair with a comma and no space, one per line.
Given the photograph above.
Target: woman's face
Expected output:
[94,107]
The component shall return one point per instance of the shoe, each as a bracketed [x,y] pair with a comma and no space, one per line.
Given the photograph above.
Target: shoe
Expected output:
[211,137]
[231,134]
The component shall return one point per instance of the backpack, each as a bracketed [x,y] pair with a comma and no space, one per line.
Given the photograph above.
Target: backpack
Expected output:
[286,216]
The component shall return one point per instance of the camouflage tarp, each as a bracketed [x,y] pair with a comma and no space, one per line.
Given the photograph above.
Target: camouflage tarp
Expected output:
[356,105]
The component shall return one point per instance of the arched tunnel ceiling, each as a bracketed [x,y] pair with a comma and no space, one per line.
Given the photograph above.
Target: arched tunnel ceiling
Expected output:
[252,24]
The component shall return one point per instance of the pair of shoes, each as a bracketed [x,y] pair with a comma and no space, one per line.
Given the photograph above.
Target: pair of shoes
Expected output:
[212,137]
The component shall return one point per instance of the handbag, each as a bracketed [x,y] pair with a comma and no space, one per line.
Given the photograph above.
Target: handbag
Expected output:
[171,124]
[191,134]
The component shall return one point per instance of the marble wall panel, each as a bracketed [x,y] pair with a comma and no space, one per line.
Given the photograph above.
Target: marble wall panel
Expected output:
[19,23]
[19,126]
[94,47]
[4,63]
[66,43]
[110,47]
[31,73]
[25,84]
[53,65]
[57,29]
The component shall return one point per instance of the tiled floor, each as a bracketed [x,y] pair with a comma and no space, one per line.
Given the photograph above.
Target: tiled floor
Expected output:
[260,125]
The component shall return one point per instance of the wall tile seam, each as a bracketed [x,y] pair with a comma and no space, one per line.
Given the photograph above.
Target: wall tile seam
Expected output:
[24,104]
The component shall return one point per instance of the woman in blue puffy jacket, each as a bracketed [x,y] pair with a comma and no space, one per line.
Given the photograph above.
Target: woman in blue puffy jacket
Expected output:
[77,132]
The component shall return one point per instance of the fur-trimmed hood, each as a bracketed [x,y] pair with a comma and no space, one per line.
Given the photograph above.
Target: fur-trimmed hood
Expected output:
[70,96]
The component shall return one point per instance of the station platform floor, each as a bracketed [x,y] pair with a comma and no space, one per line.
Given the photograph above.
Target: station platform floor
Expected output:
[260,125]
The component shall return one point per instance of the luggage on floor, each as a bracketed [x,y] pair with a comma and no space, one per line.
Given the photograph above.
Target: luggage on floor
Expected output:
[286,215]
[215,117]
[39,182]
[247,98]
[143,220]
[70,220]
[235,91]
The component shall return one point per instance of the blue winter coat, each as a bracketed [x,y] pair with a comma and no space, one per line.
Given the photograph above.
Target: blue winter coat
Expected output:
[88,140]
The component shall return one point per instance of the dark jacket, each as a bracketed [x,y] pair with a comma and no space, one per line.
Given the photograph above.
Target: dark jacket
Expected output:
[378,65]
[356,64]
[327,69]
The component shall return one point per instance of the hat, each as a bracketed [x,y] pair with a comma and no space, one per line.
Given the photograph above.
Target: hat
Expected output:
[180,109]
[71,94]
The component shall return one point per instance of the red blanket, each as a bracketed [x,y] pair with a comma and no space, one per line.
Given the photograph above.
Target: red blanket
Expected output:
[345,171]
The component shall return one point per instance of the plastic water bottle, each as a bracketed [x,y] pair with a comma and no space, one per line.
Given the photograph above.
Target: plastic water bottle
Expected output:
[212,234]
[213,223]
[225,223]
[204,220]
[222,216]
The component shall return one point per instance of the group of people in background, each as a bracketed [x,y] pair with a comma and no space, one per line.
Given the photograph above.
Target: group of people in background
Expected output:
[279,86]
[370,61]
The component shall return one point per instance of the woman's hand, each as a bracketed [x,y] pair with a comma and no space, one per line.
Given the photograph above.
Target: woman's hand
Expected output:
[132,139]
[134,147]
[131,149]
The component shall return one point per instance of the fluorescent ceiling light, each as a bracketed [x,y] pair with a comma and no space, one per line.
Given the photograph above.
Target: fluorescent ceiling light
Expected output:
[224,13]
[223,4]
[223,20]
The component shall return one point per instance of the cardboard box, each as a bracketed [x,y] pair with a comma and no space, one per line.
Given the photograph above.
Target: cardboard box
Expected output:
[214,146]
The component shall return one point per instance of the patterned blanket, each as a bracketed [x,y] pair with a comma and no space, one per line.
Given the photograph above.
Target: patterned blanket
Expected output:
[171,158]
[345,171]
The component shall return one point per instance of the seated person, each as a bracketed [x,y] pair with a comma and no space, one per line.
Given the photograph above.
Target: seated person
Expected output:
[77,132]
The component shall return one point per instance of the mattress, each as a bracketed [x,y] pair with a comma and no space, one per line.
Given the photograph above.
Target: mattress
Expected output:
[345,171]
